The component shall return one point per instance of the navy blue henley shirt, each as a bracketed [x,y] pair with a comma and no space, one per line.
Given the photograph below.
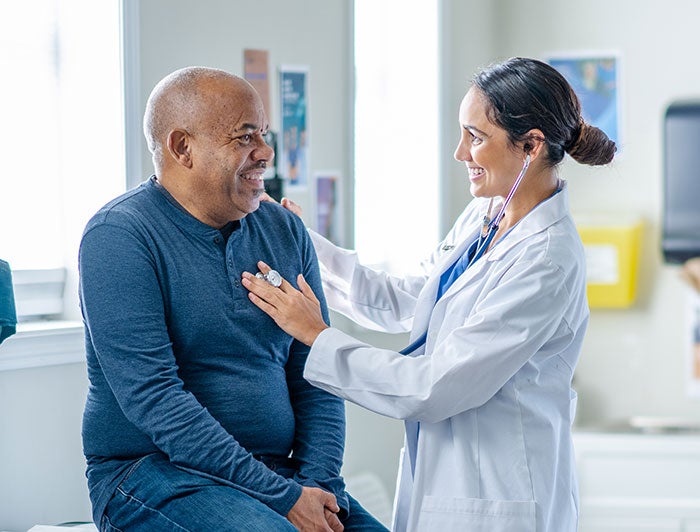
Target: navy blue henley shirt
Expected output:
[181,362]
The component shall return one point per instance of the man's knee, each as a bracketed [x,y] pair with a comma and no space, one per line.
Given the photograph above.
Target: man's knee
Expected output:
[156,495]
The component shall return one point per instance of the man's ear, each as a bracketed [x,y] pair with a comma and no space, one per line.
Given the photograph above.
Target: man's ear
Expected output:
[180,147]
[533,143]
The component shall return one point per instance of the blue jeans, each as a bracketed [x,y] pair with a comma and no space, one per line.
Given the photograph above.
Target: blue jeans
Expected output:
[157,496]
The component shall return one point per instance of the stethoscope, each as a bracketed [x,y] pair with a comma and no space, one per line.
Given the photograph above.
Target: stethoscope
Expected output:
[486,236]
[490,226]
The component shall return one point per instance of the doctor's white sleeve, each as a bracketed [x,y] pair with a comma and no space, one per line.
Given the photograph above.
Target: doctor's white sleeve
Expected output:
[466,368]
[371,298]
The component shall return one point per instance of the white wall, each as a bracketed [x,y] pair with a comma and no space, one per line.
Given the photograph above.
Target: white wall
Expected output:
[633,360]
[42,469]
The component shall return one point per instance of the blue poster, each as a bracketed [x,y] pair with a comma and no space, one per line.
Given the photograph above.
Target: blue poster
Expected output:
[293,144]
[595,81]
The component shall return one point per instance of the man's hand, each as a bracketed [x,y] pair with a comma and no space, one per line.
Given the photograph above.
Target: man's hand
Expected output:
[315,511]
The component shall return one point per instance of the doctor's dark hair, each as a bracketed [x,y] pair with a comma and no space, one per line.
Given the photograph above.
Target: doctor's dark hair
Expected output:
[525,94]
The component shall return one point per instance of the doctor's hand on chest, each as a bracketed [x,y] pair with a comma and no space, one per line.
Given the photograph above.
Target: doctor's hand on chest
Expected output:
[296,312]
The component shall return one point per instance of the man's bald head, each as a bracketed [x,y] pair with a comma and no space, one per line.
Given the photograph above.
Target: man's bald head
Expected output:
[185,99]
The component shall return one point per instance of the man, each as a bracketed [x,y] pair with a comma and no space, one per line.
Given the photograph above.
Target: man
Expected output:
[197,416]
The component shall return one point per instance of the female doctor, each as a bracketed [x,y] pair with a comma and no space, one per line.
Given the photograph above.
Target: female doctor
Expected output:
[497,321]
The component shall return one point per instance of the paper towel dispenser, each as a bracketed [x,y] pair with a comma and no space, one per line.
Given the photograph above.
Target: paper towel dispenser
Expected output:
[681,202]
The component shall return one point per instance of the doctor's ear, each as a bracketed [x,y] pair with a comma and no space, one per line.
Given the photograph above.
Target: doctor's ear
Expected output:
[533,143]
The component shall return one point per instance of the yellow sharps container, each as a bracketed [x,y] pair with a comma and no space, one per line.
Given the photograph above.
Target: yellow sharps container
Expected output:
[612,249]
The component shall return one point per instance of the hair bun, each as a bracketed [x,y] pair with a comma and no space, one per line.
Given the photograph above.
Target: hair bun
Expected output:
[592,146]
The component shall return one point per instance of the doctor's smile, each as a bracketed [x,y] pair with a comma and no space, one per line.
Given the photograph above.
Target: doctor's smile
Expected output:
[475,173]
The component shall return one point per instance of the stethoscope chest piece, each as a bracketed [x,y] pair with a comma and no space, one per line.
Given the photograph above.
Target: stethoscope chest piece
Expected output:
[273,277]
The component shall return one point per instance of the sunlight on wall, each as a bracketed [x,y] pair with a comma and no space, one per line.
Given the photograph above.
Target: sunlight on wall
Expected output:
[396,132]
[62,125]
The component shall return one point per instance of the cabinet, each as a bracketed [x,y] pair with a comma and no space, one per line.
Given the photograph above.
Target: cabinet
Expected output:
[635,482]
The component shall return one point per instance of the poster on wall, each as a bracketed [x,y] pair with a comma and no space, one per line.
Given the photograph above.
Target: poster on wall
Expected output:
[693,358]
[293,141]
[328,220]
[595,77]
[256,72]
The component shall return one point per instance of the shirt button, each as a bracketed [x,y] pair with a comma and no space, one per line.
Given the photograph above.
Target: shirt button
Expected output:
[217,240]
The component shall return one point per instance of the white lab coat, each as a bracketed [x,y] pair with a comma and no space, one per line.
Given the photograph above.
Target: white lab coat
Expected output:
[490,391]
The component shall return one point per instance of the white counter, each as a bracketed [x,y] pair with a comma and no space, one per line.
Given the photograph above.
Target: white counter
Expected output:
[638,482]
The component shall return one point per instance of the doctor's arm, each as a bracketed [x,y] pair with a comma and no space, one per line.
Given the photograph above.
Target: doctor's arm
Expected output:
[376,299]
[372,298]
[369,297]
[465,369]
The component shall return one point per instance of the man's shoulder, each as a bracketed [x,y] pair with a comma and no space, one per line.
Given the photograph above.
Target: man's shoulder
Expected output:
[123,209]
[270,212]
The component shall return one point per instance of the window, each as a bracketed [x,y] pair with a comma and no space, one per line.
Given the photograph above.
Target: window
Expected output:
[62,131]
[396,131]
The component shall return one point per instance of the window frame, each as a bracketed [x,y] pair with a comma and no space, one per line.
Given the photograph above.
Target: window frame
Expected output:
[54,341]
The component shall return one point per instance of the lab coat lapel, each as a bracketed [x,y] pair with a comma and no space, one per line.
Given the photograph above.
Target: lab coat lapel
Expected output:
[539,219]
[426,300]
[473,270]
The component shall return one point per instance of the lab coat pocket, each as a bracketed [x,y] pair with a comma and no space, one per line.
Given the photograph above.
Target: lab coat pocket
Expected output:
[450,514]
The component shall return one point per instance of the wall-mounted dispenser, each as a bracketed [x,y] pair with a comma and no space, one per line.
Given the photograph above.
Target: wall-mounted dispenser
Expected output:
[681,202]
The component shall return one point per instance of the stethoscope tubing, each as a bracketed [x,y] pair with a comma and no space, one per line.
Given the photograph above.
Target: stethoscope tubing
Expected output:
[486,236]
[491,227]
